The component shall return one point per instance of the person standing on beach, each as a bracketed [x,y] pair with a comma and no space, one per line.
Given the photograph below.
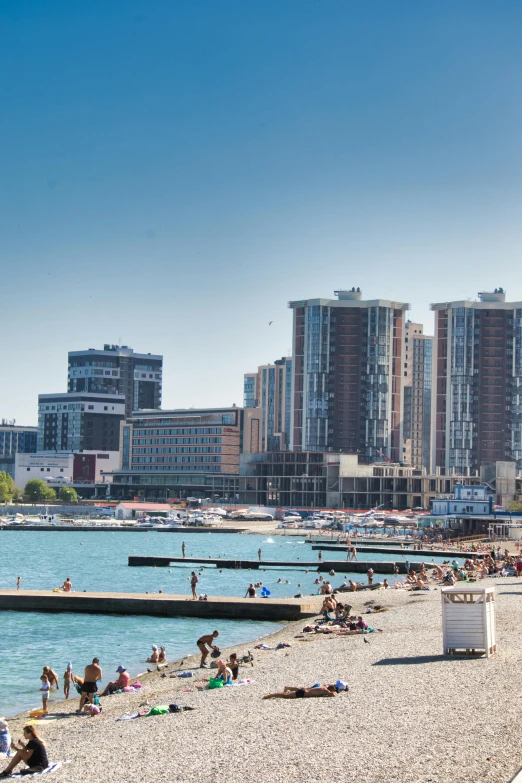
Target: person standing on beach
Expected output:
[259,554]
[44,690]
[193,582]
[183,549]
[93,673]
[52,677]
[205,644]
[67,679]
[18,582]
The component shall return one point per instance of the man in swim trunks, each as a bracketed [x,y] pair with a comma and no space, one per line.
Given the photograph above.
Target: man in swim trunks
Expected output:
[290,692]
[205,642]
[93,673]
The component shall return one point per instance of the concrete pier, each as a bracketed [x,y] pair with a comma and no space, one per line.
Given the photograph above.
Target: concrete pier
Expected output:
[217,608]
[339,566]
[388,550]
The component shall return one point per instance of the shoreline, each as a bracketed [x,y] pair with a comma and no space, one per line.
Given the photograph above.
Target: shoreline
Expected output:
[421,722]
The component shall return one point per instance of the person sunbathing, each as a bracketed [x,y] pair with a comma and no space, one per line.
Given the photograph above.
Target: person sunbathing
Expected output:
[290,692]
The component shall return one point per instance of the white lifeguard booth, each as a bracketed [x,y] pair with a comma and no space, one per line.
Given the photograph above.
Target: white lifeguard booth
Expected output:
[468,620]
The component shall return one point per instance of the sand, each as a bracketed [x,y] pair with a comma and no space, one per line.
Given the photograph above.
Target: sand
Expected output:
[410,715]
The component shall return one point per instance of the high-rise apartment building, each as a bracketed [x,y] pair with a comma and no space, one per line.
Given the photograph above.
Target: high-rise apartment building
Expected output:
[118,370]
[417,396]
[270,389]
[347,376]
[80,422]
[477,391]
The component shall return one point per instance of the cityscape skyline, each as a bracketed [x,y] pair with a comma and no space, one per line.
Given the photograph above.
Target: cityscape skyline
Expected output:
[176,173]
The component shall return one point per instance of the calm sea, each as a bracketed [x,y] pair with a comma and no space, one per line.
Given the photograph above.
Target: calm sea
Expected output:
[97,561]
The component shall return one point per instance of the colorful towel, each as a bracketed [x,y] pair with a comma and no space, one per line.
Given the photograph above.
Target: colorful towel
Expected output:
[50,768]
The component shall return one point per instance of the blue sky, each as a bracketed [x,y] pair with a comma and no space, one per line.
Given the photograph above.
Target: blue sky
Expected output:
[174,172]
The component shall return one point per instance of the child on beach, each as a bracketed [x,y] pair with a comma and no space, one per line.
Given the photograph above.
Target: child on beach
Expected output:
[46,687]
[67,679]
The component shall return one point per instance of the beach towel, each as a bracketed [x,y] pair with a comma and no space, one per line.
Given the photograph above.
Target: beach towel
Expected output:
[280,646]
[51,768]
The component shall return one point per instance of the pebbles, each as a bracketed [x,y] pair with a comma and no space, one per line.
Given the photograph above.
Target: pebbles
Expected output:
[410,714]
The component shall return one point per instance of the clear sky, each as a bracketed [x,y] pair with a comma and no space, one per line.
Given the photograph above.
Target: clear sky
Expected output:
[174,172]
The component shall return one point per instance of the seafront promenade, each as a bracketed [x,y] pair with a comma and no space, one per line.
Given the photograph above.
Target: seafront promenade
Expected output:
[410,714]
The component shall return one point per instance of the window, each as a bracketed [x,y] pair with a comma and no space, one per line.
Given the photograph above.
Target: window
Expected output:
[106,408]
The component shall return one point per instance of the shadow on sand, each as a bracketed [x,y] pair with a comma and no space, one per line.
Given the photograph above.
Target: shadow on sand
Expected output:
[413,659]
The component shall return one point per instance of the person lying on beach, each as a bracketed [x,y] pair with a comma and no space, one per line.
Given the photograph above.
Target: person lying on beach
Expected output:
[52,677]
[122,682]
[290,692]
[154,656]
[205,645]
[33,753]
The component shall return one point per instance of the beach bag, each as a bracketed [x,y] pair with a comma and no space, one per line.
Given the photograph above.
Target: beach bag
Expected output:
[215,653]
[161,709]
[214,682]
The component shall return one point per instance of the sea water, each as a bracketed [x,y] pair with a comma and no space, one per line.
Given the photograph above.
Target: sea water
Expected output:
[97,561]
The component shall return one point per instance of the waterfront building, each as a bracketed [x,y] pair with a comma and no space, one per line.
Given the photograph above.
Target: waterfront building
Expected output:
[80,421]
[270,389]
[417,373]
[188,452]
[118,370]
[477,397]
[81,470]
[16,439]
[338,481]
[347,382]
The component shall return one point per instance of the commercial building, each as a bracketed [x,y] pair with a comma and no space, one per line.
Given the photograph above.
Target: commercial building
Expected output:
[328,480]
[270,389]
[80,470]
[417,373]
[190,452]
[16,439]
[477,403]
[347,376]
[80,421]
[118,370]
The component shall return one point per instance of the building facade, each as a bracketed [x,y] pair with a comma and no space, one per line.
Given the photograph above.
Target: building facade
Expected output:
[180,453]
[338,481]
[80,421]
[270,389]
[477,400]
[347,385]
[118,370]
[16,439]
[417,373]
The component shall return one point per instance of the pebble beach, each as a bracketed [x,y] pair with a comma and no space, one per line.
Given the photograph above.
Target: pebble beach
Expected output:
[410,713]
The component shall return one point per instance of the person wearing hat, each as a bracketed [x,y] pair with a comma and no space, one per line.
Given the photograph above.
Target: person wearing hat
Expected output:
[5,736]
[122,682]
[155,655]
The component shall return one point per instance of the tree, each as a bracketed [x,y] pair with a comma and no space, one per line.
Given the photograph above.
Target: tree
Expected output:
[515,505]
[8,489]
[37,491]
[5,495]
[68,495]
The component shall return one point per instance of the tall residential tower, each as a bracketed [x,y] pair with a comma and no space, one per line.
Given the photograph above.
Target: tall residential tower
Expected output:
[347,376]
[270,389]
[477,394]
[417,396]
